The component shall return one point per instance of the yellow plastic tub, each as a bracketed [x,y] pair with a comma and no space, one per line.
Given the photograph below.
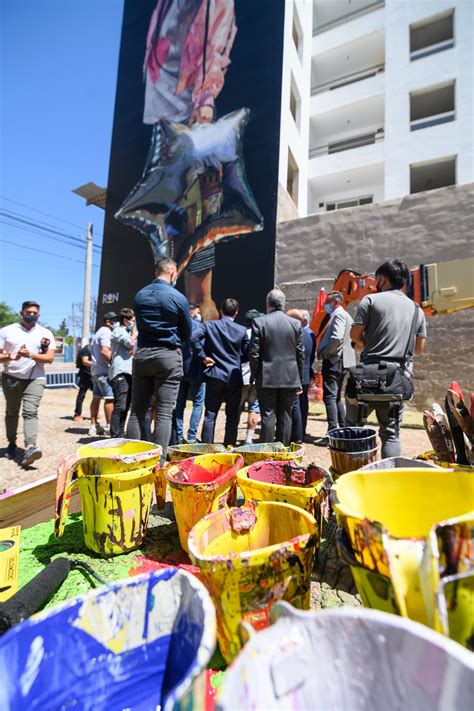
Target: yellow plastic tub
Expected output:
[389,518]
[123,471]
[277,481]
[276,451]
[251,557]
[200,485]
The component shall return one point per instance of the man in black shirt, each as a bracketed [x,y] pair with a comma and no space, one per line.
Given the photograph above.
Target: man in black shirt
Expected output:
[84,379]
[164,324]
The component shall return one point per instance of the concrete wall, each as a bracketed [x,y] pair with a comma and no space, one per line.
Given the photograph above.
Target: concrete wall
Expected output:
[427,227]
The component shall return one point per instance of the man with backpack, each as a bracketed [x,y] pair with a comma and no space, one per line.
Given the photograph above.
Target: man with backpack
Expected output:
[390,329]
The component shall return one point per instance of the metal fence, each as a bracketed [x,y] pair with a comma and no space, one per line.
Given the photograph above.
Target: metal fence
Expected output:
[61,379]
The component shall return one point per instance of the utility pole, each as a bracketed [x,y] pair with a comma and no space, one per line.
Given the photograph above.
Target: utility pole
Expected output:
[73,334]
[86,316]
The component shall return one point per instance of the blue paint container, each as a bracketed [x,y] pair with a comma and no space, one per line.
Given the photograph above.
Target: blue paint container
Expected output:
[139,643]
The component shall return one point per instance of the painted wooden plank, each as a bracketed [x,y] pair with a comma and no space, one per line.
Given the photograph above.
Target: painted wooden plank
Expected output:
[32,504]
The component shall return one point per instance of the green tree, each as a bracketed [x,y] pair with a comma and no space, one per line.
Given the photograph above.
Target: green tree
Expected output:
[62,329]
[7,314]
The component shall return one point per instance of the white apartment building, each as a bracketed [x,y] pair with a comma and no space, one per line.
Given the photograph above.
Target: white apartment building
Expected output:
[377,100]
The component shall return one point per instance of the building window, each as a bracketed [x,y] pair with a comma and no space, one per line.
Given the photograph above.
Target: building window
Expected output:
[292,177]
[433,174]
[297,33]
[432,35]
[432,105]
[295,103]
[354,202]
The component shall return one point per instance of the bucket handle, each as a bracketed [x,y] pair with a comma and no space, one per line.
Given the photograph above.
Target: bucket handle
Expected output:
[66,471]
[161,485]
[61,514]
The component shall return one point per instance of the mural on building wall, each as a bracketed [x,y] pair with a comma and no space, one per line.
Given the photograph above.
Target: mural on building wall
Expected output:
[194,158]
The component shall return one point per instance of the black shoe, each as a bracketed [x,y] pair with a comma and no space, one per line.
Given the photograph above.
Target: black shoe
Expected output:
[11,451]
[30,456]
[322,442]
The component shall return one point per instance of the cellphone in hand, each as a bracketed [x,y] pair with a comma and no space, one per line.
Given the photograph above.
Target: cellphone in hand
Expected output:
[44,345]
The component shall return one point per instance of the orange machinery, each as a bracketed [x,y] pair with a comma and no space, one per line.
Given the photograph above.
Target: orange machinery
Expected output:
[439,288]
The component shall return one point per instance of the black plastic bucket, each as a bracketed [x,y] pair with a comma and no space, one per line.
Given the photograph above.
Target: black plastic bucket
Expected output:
[352,439]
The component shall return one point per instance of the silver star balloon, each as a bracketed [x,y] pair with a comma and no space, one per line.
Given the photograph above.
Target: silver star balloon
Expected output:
[194,191]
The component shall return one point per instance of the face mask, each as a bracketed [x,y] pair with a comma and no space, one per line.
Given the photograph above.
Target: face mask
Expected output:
[30,318]
[328,308]
[198,318]
[173,282]
[130,327]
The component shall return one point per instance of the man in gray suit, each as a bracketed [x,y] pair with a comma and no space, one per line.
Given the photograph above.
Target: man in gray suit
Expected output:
[337,354]
[276,360]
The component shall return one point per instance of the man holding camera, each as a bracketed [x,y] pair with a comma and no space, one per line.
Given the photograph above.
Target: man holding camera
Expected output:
[25,348]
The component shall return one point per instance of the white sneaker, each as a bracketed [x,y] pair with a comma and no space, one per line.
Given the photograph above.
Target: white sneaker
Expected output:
[93,431]
[105,431]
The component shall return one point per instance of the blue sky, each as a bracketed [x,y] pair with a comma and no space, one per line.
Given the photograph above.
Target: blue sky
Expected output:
[58,72]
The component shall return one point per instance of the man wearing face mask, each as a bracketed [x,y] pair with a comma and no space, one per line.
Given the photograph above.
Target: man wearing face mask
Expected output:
[337,354]
[382,325]
[124,335]
[164,324]
[25,348]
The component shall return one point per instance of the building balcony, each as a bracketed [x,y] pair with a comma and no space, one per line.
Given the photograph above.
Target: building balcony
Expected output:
[355,25]
[328,15]
[348,188]
[365,86]
[359,152]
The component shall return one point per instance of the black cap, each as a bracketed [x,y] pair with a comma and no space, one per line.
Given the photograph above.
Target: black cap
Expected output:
[110,316]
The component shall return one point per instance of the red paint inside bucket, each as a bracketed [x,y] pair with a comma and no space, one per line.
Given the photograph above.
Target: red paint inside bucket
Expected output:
[285,474]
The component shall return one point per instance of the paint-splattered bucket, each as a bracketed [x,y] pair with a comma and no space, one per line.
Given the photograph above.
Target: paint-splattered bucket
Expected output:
[140,643]
[178,452]
[200,485]
[431,456]
[393,522]
[306,487]
[115,485]
[398,463]
[349,658]
[251,557]
[276,451]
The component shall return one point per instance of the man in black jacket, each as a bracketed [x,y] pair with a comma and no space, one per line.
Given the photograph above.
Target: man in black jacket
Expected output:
[276,363]
[222,347]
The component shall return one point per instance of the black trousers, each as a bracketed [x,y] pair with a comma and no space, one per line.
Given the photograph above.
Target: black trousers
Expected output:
[299,416]
[276,405]
[156,373]
[217,392]
[84,381]
[122,389]
[333,380]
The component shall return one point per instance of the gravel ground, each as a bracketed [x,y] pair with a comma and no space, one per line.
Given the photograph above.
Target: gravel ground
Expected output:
[60,435]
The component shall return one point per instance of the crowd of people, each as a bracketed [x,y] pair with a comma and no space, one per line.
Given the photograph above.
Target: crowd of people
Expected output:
[146,362]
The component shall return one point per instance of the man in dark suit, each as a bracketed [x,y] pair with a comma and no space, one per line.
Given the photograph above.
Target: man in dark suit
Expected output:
[222,346]
[276,363]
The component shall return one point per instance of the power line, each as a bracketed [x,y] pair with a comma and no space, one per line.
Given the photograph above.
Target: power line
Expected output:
[42,234]
[34,209]
[42,251]
[25,219]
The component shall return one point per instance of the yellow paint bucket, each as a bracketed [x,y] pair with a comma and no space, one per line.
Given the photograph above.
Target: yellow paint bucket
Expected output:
[389,518]
[177,452]
[251,557]
[431,456]
[276,451]
[200,485]
[282,481]
[123,471]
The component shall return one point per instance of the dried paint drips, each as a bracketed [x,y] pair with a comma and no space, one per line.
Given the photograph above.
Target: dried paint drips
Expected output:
[242,520]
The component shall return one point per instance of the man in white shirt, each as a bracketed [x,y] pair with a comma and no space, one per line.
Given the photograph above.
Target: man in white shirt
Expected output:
[25,348]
